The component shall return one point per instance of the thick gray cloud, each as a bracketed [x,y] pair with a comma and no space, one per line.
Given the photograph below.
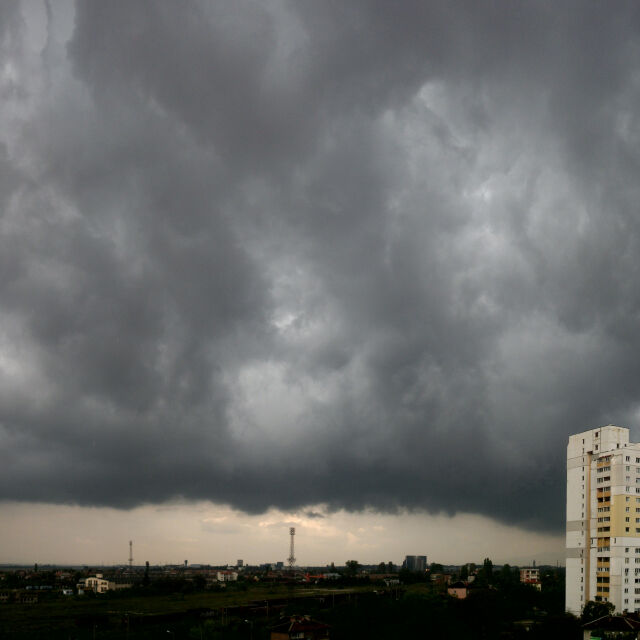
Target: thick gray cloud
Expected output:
[292,253]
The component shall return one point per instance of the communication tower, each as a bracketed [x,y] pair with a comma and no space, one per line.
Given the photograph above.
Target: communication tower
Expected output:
[292,558]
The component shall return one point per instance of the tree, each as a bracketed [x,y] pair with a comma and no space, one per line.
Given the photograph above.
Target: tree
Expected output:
[553,590]
[200,582]
[382,568]
[487,570]
[484,576]
[390,566]
[352,567]
[594,610]
[436,567]
[411,577]
[145,579]
[464,572]
[508,577]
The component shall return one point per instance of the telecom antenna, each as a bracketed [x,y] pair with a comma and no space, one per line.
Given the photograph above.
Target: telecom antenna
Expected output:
[292,557]
[130,554]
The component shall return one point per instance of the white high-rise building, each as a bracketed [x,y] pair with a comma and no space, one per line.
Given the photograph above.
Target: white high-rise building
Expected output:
[603,519]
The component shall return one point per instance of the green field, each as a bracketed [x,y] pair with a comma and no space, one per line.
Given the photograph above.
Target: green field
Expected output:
[121,614]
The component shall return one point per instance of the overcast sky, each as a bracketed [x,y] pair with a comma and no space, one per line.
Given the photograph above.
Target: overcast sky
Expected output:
[343,264]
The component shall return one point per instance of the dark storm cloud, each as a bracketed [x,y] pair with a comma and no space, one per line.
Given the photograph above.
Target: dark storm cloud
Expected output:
[283,254]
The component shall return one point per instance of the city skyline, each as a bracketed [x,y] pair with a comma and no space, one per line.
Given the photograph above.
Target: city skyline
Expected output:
[208,534]
[358,268]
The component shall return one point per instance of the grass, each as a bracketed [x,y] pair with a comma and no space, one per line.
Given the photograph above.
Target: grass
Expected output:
[75,616]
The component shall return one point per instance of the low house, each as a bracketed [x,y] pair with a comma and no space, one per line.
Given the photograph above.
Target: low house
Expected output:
[99,584]
[614,626]
[300,628]
[458,590]
[226,576]
[25,597]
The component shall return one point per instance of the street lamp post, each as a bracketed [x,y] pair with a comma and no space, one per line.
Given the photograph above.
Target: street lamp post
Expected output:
[249,622]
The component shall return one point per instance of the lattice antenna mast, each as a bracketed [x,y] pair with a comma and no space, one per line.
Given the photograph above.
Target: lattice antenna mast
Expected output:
[292,557]
[130,554]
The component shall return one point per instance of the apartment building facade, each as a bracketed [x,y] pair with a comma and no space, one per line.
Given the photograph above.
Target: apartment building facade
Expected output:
[603,519]
[531,576]
[415,563]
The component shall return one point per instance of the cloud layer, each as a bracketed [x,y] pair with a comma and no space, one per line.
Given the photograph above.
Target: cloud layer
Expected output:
[278,254]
